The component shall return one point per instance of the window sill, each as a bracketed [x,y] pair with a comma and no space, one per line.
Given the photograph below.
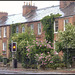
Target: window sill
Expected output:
[55,32]
[4,36]
[39,34]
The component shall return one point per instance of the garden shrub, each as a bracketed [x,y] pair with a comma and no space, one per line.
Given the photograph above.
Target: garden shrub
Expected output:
[1,58]
[61,65]
[40,53]
[23,39]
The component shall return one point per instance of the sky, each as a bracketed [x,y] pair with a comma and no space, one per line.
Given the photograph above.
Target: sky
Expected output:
[15,7]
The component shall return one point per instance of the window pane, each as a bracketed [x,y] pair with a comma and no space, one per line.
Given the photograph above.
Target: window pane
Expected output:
[32,26]
[5,31]
[56,29]
[17,29]
[0,32]
[23,29]
[4,46]
[66,21]
[39,28]
[56,26]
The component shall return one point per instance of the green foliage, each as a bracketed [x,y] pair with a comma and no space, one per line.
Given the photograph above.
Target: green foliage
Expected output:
[61,65]
[42,49]
[56,63]
[48,26]
[66,39]
[42,53]
[23,39]
[56,59]
[13,28]
[1,58]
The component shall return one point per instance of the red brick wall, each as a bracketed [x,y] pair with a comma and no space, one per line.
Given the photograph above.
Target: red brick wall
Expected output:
[40,37]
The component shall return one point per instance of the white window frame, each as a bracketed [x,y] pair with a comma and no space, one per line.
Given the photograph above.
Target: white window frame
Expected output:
[65,23]
[54,28]
[4,48]
[0,32]
[39,27]
[32,26]
[5,31]
[16,29]
[23,29]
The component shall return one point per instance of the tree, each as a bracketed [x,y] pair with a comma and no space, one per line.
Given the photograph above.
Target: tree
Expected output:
[22,40]
[66,40]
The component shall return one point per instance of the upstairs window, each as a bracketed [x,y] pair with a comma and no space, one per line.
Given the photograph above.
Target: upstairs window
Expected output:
[5,31]
[23,29]
[65,22]
[4,48]
[32,27]
[56,26]
[0,32]
[39,28]
[17,31]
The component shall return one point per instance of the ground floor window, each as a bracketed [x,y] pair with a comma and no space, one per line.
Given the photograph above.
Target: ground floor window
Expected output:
[4,48]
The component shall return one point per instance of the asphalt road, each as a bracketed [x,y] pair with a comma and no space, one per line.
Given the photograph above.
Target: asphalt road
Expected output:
[31,72]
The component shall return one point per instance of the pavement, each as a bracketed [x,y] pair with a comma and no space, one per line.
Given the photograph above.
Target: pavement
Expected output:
[37,71]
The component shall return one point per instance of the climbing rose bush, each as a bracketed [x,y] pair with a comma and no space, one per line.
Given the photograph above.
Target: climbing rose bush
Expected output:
[39,47]
[40,51]
[44,59]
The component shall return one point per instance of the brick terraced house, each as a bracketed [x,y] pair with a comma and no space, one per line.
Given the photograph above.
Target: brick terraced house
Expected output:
[31,16]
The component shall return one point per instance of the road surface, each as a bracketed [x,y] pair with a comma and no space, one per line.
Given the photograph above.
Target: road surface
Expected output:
[30,72]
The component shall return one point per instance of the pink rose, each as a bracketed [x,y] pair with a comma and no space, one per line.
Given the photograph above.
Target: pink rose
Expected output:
[48,52]
[51,61]
[40,45]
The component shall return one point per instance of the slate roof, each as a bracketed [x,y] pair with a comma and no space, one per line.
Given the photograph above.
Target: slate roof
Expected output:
[32,16]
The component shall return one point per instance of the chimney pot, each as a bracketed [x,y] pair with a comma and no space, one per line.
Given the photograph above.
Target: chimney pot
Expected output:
[29,3]
[28,8]
[24,3]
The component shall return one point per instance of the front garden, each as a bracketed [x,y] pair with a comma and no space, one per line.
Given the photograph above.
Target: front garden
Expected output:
[32,53]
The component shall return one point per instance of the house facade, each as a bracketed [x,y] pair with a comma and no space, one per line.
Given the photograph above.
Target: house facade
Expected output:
[31,16]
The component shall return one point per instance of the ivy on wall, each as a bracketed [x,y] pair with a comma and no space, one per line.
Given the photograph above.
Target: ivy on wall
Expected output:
[48,26]
[13,28]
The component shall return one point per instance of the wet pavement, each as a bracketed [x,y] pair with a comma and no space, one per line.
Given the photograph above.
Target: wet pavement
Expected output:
[9,70]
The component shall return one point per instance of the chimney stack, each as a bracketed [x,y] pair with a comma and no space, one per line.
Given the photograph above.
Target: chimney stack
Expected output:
[27,8]
[64,4]
[3,14]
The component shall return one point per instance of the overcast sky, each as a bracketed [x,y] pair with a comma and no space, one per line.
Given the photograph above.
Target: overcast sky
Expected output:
[15,7]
